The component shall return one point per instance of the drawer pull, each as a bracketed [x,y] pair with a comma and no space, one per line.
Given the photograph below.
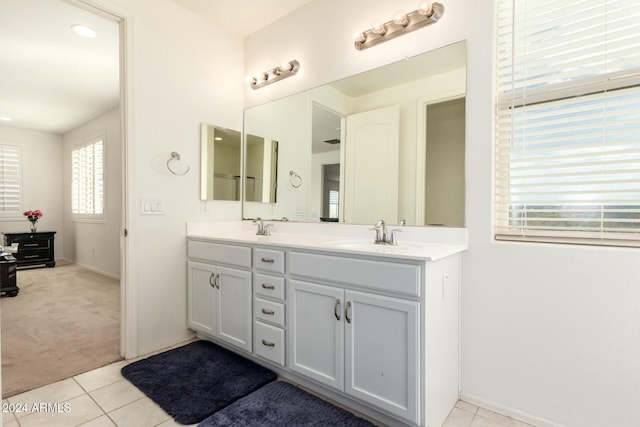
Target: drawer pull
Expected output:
[335,310]
[213,280]
[267,260]
[31,256]
[30,245]
[265,286]
[268,343]
[268,312]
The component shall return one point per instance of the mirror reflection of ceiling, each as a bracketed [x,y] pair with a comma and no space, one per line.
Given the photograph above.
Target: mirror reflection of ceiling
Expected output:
[436,62]
[48,70]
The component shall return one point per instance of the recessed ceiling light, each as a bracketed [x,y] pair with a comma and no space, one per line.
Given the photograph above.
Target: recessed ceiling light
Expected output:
[83,30]
[5,119]
[217,138]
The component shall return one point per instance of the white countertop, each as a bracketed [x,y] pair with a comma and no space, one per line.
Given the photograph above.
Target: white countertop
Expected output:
[414,242]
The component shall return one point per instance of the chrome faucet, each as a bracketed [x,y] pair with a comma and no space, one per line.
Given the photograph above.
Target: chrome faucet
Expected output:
[382,237]
[263,229]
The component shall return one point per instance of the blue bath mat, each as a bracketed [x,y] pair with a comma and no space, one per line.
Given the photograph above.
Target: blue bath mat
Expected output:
[194,381]
[282,404]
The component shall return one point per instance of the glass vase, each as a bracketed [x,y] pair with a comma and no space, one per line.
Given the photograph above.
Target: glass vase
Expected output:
[33,226]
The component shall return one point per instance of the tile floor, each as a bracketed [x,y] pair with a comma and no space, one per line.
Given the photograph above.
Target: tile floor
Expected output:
[104,398]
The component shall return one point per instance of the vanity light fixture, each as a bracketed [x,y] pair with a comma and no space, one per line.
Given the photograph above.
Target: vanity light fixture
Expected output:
[402,23]
[280,72]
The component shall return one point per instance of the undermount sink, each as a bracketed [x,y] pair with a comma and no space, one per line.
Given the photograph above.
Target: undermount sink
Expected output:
[368,245]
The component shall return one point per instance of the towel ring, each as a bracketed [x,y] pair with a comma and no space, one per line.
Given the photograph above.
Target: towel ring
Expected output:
[175,156]
[294,179]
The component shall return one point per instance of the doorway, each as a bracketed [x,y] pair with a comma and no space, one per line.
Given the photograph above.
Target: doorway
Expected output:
[83,242]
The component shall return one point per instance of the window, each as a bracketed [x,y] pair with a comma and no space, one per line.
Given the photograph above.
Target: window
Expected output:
[87,180]
[568,122]
[10,182]
[334,198]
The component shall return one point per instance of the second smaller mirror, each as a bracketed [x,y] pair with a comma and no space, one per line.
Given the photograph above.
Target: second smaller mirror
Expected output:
[220,163]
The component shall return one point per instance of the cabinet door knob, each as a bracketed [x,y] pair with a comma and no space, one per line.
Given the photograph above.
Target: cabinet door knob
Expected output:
[346,312]
[265,286]
[335,309]
[269,312]
[267,260]
[268,343]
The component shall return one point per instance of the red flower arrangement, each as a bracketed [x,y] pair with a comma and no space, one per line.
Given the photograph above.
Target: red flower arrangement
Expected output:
[33,217]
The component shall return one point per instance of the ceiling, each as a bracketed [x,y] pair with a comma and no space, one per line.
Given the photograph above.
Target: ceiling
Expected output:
[52,80]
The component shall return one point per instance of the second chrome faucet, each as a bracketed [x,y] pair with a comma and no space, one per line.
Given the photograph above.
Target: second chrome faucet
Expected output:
[382,236]
[263,229]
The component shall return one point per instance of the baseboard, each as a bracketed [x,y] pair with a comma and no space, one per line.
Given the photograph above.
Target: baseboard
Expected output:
[91,268]
[510,412]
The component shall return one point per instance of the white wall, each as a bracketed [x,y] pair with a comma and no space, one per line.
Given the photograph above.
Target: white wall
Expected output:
[182,71]
[41,181]
[95,245]
[548,332]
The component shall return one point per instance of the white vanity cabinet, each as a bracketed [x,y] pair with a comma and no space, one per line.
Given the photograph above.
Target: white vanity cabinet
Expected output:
[375,332]
[269,306]
[360,343]
[219,296]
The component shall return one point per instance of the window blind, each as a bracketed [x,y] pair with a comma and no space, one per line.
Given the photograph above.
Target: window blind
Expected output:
[87,180]
[10,182]
[568,121]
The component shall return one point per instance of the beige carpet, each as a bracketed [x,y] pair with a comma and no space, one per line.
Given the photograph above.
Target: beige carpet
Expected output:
[64,321]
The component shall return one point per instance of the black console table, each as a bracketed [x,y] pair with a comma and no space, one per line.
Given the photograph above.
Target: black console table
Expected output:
[34,248]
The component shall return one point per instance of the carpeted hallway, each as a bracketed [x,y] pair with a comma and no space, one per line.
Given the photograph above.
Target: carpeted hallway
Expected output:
[64,321]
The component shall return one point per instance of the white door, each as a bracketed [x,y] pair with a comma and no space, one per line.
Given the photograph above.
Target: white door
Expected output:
[316,333]
[371,166]
[382,353]
[234,313]
[202,297]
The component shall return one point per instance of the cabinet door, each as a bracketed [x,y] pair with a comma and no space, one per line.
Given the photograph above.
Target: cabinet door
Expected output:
[317,332]
[234,311]
[202,297]
[382,352]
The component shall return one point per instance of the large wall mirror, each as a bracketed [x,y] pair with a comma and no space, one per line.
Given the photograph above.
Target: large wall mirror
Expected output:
[220,154]
[387,143]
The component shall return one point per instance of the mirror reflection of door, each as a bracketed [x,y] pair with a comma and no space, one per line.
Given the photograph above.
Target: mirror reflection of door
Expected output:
[261,169]
[326,127]
[371,166]
[444,174]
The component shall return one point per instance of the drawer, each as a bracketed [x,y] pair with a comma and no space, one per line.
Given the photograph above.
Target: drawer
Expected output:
[385,276]
[268,286]
[268,260]
[33,256]
[220,253]
[29,241]
[268,342]
[268,311]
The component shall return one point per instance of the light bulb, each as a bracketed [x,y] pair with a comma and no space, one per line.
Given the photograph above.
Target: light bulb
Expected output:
[378,27]
[360,37]
[286,66]
[424,7]
[84,31]
[400,18]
